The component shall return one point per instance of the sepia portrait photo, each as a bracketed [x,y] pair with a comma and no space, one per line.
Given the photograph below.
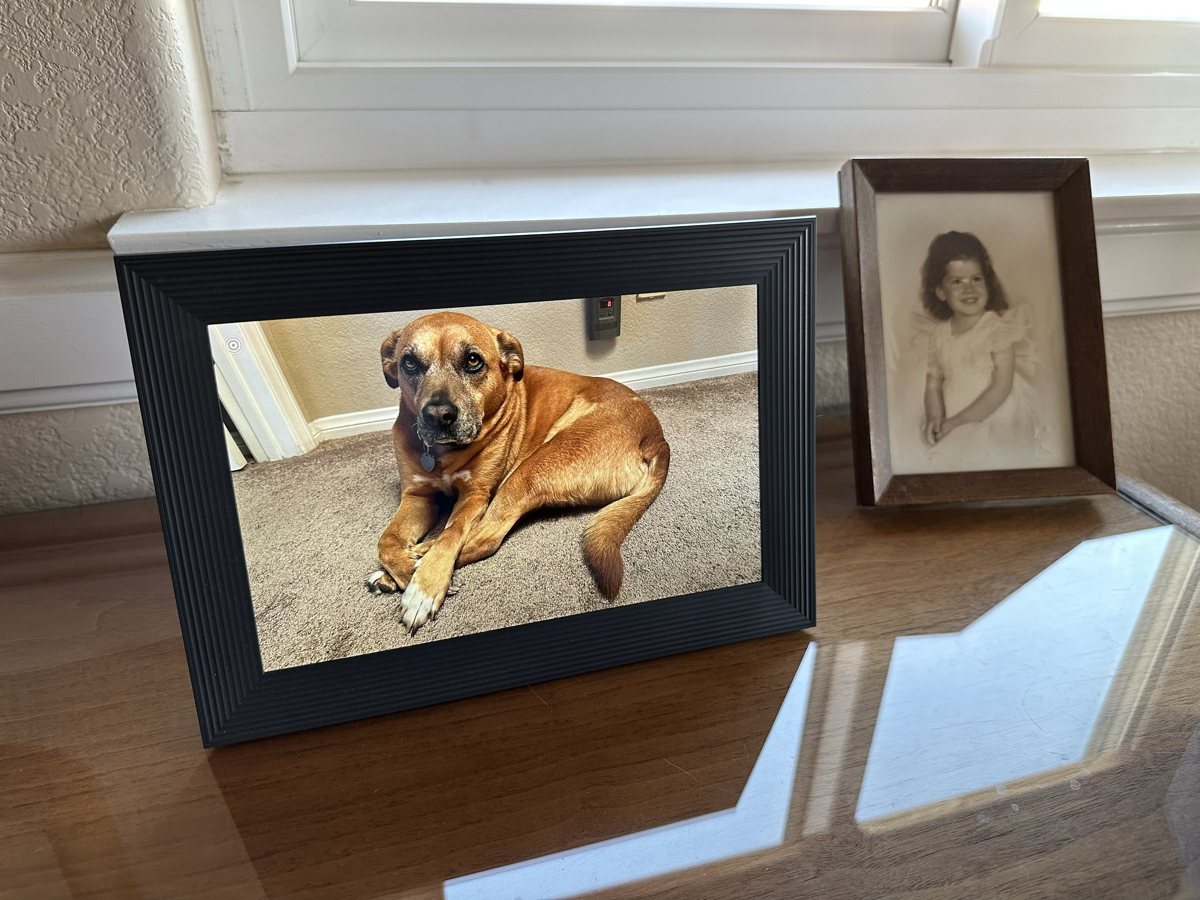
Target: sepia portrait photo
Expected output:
[975,352]
[974,330]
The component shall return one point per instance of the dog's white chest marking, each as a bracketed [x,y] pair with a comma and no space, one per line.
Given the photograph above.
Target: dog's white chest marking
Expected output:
[445,483]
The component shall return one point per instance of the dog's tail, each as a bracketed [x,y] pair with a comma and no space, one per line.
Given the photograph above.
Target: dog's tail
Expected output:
[604,533]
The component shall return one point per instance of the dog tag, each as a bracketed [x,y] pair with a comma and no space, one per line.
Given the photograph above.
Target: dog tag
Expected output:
[427,461]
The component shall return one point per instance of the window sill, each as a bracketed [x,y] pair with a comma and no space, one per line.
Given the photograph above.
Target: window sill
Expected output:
[1147,215]
[1135,191]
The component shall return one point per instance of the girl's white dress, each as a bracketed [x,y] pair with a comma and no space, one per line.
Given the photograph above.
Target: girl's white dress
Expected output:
[1010,438]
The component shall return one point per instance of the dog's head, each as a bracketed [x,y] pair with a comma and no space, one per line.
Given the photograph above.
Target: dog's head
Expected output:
[453,372]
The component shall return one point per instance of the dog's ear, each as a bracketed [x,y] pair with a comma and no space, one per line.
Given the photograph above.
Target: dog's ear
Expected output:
[387,354]
[512,357]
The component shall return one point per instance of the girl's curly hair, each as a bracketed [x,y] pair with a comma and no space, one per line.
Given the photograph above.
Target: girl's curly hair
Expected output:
[945,249]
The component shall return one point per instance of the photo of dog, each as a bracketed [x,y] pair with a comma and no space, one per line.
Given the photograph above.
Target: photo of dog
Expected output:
[470,470]
[504,439]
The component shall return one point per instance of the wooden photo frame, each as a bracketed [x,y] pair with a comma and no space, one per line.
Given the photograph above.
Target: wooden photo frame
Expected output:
[1012,242]
[175,302]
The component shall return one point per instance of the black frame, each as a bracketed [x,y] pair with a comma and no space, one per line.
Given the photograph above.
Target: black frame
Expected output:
[169,300]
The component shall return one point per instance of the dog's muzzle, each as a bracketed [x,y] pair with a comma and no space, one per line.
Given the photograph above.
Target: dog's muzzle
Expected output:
[442,423]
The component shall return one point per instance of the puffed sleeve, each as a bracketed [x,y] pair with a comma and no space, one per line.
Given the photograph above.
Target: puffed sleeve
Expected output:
[1011,328]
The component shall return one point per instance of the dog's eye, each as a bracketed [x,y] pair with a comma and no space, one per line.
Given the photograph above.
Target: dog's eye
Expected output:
[474,362]
[409,363]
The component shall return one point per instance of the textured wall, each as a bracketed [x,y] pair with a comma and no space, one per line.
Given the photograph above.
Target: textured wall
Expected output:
[833,378]
[72,457]
[1155,393]
[1154,390]
[104,109]
[333,363]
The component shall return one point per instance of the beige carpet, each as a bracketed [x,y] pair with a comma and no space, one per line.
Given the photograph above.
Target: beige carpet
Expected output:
[310,525]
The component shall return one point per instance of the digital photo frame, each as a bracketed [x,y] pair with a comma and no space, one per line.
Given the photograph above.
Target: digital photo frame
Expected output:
[172,300]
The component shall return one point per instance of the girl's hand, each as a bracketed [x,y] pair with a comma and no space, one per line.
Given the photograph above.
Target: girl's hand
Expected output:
[946,427]
[932,426]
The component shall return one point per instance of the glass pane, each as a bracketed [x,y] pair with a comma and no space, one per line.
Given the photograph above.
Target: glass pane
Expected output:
[1164,10]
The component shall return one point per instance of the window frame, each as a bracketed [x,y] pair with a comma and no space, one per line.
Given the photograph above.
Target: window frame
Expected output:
[274,54]
[279,113]
[412,32]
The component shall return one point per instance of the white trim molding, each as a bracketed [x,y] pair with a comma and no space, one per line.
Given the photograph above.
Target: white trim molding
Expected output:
[67,396]
[259,398]
[237,461]
[689,370]
[1145,306]
[278,210]
[1025,36]
[62,340]
[307,140]
[340,33]
[343,425]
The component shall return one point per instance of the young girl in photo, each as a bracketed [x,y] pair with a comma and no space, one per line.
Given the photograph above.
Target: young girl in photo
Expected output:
[979,402]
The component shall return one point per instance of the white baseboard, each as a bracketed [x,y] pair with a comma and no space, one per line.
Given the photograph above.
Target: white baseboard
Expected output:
[690,370]
[346,424]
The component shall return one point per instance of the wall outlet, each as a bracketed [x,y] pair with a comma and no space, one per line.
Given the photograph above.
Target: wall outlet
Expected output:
[603,317]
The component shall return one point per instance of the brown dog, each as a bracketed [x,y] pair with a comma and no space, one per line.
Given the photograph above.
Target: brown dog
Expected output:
[505,438]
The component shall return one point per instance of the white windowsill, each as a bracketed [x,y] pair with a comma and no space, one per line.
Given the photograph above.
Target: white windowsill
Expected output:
[1135,190]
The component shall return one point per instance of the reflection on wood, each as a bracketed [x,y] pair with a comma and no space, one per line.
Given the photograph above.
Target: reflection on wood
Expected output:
[830,775]
[1157,634]
[59,798]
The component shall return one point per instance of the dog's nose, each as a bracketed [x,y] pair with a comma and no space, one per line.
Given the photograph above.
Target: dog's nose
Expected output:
[440,415]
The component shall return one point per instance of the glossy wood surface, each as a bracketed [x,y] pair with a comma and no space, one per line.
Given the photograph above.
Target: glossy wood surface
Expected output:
[106,791]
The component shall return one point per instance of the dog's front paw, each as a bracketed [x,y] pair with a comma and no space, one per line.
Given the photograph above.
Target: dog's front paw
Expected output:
[417,606]
[380,582]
